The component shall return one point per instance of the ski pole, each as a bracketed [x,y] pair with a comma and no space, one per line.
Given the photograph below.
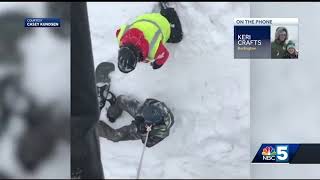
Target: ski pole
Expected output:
[144,147]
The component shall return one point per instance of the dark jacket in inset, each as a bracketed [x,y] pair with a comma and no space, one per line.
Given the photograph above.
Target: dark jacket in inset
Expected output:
[278,48]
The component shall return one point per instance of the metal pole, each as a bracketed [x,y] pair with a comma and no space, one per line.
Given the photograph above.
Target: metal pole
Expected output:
[144,147]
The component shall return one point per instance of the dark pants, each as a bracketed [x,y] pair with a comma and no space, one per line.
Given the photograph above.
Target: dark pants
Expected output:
[176,28]
[125,133]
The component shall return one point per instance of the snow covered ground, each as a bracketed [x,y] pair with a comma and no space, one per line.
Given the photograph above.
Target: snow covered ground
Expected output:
[207,90]
[47,78]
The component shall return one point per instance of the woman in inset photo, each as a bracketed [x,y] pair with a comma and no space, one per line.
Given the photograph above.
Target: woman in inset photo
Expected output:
[278,46]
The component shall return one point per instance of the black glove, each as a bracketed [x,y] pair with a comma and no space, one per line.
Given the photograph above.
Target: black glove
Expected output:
[141,126]
[141,129]
[155,65]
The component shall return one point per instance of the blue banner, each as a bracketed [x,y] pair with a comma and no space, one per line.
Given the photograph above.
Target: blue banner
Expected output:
[42,22]
[252,42]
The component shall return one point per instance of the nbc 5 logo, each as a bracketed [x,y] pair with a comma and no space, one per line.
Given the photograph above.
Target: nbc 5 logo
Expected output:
[277,153]
[282,153]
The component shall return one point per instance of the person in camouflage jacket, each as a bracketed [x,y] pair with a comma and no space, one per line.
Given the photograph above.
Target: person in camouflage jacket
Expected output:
[151,112]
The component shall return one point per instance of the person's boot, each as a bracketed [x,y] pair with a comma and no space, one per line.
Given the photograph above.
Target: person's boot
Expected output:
[111,98]
[171,15]
[102,92]
[164,5]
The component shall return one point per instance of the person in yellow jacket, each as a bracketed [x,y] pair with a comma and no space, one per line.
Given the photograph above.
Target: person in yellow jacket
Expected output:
[144,39]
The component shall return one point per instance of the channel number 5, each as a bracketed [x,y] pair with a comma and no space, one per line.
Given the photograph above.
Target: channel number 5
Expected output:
[282,153]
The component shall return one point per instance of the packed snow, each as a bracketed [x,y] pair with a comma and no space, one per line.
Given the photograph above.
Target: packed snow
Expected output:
[207,90]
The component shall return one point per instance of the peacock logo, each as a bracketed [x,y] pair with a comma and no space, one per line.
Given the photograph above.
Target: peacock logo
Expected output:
[268,153]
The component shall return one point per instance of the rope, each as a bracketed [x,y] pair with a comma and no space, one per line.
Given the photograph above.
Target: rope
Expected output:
[144,147]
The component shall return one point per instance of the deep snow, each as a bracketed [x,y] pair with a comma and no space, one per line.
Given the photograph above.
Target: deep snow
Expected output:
[207,90]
